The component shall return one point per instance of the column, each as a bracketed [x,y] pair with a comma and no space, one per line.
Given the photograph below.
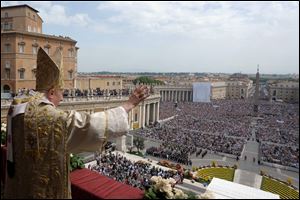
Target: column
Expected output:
[148,115]
[157,112]
[153,113]
[144,113]
[187,96]
[168,98]
[176,95]
[160,92]
[179,97]
[140,116]
[172,95]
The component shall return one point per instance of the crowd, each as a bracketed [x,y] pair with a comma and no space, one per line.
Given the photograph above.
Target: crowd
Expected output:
[83,93]
[220,126]
[225,126]
[283,155]
[136,174]
[278,131]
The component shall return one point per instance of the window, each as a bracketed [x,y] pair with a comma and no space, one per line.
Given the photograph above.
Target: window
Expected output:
[6,89]
[75,53]
[7,48]
[135,117]
[113,83]
[6,26]
[274,93]
[34,72]
[119,83]
[70,52]
[70,74]
[34,17]
[34,50]
[29,28]
[7,64]
[21,73]
[7,73]
[6,14]
[21,48]
[34,29]
[107,83]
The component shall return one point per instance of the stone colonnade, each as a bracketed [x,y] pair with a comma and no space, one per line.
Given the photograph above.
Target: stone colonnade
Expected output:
[176,95]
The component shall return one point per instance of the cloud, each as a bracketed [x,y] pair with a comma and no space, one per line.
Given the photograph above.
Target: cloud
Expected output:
[203,19]
[53,13]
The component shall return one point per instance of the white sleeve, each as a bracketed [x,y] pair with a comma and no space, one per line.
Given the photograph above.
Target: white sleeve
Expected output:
[87,132]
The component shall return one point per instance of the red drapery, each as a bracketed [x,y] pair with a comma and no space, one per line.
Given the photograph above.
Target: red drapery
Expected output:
[87,184]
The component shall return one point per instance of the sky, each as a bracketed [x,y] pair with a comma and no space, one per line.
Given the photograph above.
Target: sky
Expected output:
[216,37]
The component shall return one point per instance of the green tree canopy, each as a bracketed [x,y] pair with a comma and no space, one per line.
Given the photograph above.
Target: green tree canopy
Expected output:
[138,142]
[147,80]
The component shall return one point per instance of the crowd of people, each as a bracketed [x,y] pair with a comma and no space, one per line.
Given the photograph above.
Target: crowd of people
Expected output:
[136,174]
[278,131]
[283,155]
[83,93]
[225,126]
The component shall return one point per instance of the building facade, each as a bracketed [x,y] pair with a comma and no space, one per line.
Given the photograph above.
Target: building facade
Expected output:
[21,36]
[231,89]
[99,82]
[287,91]
[238,86]
[218,90]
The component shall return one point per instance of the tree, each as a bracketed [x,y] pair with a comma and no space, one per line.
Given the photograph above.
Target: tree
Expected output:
[130,149]
[147,80]
[289,181]
[213,163]
[138,142]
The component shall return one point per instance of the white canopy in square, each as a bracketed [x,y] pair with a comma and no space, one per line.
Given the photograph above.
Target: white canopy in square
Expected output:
[223,189]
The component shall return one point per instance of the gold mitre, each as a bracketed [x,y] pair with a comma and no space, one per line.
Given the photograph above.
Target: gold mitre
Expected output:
[49,73]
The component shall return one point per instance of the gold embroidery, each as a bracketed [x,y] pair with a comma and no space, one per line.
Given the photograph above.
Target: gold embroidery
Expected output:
[45,144]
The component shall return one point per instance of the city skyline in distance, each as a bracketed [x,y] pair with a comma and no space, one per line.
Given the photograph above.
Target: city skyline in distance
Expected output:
[208,37]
